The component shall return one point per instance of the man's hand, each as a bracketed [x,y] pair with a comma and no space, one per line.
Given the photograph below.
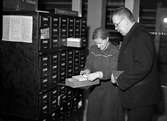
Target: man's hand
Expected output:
[113,79]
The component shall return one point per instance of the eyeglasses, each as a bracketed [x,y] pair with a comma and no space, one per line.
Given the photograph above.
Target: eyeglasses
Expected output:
[117,24]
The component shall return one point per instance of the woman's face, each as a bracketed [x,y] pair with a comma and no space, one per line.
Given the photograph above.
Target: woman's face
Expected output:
[101,43]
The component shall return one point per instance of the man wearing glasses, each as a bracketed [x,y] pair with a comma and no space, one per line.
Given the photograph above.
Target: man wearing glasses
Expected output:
[139,85]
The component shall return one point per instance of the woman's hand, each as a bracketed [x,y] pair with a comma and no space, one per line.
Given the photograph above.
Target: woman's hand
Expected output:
[95,75]
[85,72]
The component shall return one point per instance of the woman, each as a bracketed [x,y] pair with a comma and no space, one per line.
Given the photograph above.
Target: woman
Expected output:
[103,100]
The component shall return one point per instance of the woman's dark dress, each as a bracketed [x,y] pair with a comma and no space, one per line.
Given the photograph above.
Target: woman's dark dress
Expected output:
[103,100]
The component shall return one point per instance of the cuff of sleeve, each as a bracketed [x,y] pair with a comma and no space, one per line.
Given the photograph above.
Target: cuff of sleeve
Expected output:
[116,84]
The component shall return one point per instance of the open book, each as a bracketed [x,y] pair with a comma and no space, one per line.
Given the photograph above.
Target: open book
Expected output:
[83,80]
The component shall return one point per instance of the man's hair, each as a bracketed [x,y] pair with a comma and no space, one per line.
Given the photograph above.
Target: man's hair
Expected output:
[100,32]
[123,11]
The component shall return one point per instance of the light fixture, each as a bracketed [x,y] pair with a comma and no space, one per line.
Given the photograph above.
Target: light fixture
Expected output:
[165,20]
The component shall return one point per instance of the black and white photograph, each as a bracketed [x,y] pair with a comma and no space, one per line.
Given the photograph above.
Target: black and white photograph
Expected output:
[83,60]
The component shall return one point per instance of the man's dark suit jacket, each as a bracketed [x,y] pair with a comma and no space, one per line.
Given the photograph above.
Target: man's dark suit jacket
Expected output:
[139,84]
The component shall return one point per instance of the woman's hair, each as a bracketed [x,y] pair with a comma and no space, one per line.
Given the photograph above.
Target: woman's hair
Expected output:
[100,33]
[122,11]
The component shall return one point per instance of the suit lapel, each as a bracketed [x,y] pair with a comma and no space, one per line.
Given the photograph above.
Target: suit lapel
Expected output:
[128,38]
[124,44]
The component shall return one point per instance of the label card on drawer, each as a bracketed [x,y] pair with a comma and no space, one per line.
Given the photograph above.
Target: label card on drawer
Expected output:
[17,28]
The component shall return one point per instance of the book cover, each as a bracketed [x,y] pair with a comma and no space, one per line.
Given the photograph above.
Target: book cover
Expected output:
[116,74]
